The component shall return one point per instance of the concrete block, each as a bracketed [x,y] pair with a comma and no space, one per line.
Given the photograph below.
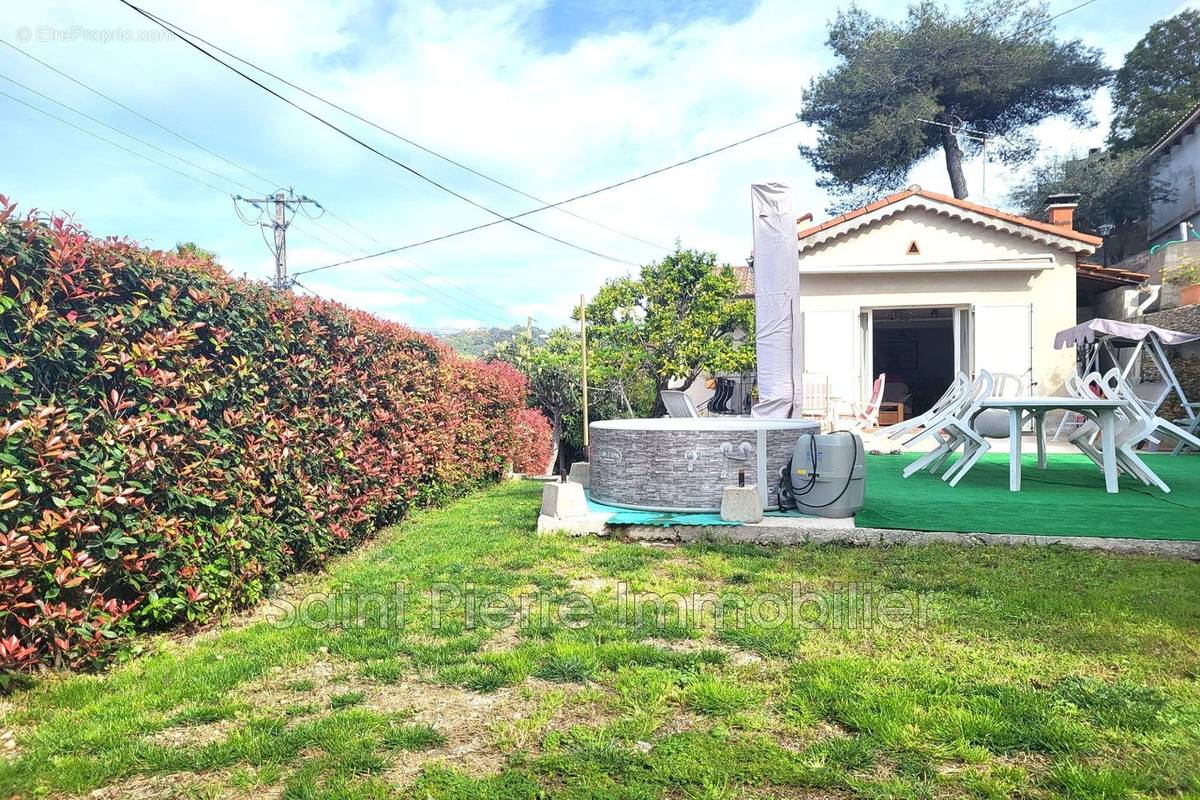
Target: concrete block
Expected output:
[582,525]
[563,500]
[580,474]
[741,504]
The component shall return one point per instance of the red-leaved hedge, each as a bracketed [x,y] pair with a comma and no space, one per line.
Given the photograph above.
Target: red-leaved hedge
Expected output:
[173,441]
[534,443]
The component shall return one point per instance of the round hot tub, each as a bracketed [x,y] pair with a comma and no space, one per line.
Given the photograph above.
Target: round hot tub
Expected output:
[673,464]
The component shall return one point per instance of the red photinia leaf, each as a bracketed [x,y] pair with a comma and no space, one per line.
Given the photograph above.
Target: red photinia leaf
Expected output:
[216,428]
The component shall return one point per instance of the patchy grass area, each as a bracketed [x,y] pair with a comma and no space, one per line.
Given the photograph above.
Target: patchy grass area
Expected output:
[462,656]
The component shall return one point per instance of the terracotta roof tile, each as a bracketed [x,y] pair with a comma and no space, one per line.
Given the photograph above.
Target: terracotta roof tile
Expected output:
[1045,227]
[1111,274]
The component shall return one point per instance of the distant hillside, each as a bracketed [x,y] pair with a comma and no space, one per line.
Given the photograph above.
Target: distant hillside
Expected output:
[478,341]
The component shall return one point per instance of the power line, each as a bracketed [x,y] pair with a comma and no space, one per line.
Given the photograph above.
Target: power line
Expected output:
[274,248]
[114,144]
[408,260]
[137,113]
[151,145]
[581,196]
[451,302]
[318,118]
[316,221]
[401,137]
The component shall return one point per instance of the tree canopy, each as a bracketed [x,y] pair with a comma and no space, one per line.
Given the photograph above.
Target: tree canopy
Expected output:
[478,342]
[997,68]
[1158,83]
[552,365]
[678,319]
[1115,191]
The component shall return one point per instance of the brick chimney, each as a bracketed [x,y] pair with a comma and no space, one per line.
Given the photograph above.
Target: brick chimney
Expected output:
[1060,210]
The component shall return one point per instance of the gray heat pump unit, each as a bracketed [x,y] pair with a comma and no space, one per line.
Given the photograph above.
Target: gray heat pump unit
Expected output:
[826,476]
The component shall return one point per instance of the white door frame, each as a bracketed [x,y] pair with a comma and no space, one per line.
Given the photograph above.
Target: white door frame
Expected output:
[964,333]
[866,353]
[868,330]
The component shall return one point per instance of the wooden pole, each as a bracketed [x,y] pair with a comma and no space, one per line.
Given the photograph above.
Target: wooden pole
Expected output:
[583,361]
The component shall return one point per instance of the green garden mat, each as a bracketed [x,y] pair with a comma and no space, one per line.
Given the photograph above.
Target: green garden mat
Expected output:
[1065,499]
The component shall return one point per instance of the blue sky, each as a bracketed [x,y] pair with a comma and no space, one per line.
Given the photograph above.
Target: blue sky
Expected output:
[552,97]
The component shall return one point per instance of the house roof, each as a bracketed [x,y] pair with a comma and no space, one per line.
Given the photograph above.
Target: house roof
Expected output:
[1185,125]
[1110,274]
[952,207]
[745,279]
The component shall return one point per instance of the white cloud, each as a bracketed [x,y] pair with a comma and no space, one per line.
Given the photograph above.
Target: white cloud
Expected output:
[468,81]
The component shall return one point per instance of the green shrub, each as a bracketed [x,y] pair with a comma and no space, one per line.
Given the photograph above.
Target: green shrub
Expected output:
[174,441]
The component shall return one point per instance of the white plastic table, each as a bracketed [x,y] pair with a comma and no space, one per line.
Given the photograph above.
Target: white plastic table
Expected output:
[1104,412]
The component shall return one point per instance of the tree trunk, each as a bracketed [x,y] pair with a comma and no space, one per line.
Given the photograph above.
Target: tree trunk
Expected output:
[954,155]
[659,409]
[556,443]
[625,399]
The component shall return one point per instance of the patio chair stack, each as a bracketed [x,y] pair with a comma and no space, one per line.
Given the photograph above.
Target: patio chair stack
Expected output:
[952,394]
[953,427]
[1137,424]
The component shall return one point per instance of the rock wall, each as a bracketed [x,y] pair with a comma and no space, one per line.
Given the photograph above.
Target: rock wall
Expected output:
[1185,361]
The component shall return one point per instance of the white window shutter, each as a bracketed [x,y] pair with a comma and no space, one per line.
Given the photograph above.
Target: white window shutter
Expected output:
[831,348]
[1004,341]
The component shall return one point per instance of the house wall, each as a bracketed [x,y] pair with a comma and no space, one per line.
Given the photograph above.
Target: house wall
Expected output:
[1050,291]
[1179,168]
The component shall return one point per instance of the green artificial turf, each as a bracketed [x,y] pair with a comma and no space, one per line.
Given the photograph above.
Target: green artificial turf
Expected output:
[1065,499]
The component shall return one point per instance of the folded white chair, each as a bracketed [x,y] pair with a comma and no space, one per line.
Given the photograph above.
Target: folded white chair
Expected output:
[954,429]
[1136,424]
[954,392]
[678,404]
[866,415]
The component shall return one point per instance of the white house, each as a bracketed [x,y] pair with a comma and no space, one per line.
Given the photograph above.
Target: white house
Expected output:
[920,285]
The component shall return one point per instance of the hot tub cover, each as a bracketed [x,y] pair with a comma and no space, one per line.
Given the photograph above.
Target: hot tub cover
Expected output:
[1127,331]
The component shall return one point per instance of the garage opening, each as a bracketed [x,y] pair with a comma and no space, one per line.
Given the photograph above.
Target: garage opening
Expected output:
[915,347]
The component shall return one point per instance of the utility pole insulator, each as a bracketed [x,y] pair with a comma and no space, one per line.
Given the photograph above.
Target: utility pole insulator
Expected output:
[281,201]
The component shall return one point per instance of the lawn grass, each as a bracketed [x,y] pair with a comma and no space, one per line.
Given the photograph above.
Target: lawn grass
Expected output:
[404,672]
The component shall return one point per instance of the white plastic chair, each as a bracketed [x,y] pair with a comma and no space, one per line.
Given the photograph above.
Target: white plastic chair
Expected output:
[678,404]
[992,423]
[1134,425]
[814,397]
[1145,424]
[954,392]
[953,429]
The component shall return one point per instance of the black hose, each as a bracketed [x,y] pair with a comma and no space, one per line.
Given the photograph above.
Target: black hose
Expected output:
[790,495]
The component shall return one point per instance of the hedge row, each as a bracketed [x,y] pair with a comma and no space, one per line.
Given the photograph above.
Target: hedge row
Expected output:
[173,441]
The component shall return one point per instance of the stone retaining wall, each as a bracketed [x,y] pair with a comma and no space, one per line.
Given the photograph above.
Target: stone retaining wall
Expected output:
[1185,361]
